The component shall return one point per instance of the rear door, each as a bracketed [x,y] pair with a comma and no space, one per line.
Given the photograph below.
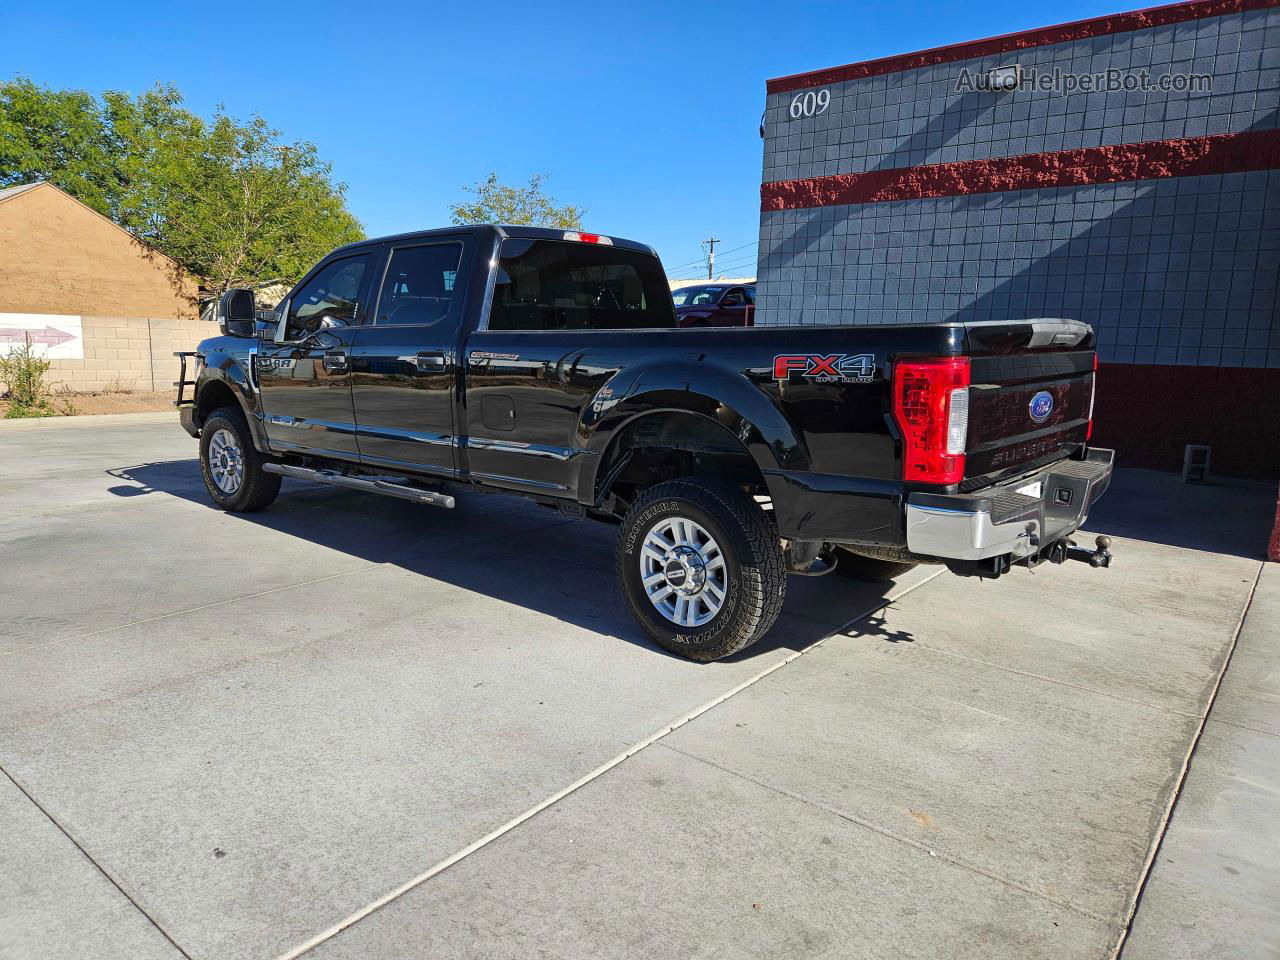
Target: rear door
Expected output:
[1030,397]
[548,344]
[404,364]
[305,375]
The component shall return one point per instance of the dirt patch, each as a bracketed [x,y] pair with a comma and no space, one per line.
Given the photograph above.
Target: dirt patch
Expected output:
[141,401]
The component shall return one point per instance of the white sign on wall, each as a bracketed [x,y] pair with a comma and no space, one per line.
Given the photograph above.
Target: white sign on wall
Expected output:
[55,336]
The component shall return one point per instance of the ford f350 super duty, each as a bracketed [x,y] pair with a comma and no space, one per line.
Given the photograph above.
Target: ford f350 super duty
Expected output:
[548,364]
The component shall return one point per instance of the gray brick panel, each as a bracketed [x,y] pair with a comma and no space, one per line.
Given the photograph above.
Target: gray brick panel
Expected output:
[1181,270]
[916,117]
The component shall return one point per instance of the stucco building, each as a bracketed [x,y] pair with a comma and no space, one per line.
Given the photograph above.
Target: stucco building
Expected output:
[105,308]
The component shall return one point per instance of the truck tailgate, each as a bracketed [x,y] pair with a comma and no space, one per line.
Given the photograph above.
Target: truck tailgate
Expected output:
[1030,398]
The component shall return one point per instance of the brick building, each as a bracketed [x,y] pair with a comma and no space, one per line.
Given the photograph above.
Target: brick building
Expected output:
[979,181]
[106,310]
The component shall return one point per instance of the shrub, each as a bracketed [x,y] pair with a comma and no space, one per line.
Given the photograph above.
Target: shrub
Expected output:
[23,370]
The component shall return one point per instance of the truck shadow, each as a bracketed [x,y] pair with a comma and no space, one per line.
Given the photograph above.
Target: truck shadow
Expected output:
[509,549]
[1226,516]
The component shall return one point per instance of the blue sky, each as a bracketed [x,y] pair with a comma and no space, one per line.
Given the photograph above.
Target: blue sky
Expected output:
[646,114]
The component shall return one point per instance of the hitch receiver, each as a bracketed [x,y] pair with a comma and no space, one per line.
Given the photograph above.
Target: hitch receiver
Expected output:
[1066,549]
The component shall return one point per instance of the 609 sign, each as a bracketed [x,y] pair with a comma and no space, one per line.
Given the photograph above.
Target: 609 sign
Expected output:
[810,103]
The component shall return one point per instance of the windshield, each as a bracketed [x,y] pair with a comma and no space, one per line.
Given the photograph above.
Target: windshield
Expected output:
[564,285]
[693,296]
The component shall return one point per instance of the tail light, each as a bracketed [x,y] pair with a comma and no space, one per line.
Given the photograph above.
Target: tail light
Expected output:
[931,405]
[1093,395]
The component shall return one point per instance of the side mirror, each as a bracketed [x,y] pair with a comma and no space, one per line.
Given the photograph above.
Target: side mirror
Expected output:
[237,313]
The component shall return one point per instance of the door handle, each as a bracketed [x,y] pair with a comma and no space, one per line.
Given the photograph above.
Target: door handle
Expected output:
[427,362]
[335,361]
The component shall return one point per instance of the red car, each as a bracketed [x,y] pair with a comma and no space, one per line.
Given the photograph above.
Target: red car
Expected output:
[715,305]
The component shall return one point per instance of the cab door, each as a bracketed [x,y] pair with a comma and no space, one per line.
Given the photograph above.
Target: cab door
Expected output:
[404,368]
[304,375]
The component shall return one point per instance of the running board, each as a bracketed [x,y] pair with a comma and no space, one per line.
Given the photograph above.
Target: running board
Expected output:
[385,487]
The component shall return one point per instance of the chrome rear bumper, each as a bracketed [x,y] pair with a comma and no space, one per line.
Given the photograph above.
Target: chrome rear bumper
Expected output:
[1016,518]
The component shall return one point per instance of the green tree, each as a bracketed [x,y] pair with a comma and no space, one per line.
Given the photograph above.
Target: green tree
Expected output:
[59,136]
[246,207]
[230,201]
[498,203]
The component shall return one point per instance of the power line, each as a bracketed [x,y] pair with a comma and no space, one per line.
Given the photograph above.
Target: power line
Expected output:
[743,257]
[701,260]
[753,243]
[739,264]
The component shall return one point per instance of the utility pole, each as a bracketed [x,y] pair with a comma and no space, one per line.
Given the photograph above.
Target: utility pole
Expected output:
[711,256]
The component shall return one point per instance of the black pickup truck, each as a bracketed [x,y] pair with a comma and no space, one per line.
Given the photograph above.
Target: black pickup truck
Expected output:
[548,364]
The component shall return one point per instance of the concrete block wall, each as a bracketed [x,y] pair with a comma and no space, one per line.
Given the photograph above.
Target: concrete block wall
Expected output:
[911,117]
[1182,270]
[130,353]
[1152,215]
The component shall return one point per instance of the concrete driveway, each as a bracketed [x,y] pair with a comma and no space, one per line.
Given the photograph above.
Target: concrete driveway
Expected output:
[355,727]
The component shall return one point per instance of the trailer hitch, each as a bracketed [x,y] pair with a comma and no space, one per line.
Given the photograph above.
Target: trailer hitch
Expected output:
[1066,549]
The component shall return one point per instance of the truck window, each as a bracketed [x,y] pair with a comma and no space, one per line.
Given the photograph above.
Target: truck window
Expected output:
[334,292]
[563,285]
[418,288]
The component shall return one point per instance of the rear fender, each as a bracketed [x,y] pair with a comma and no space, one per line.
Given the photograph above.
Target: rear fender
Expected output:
[725,398]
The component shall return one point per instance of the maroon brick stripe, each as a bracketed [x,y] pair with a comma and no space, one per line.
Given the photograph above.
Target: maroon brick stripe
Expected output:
[1064,33]
[1190,157]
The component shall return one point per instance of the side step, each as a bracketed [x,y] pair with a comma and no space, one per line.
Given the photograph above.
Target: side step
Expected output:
[385,487]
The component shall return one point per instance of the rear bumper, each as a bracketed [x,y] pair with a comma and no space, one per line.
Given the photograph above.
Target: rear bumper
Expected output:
[1002,520]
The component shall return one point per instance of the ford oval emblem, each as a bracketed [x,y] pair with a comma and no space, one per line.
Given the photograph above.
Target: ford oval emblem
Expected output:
[1041,406]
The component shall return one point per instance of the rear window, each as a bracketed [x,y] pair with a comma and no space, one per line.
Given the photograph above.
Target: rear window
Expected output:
[563,285]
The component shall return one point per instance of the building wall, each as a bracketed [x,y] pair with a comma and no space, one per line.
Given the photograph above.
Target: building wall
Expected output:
[135,308]
[910,117]
[58,256]
[129,353]
[1273,546]
[1155,217]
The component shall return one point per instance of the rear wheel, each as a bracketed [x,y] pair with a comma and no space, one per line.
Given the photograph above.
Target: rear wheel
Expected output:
[231,466]
[701,568]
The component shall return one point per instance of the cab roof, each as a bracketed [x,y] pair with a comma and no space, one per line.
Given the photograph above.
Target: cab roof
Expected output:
[482,231]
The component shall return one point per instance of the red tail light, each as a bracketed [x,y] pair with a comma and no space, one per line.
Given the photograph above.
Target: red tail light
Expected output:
[931,405]
[1093,395]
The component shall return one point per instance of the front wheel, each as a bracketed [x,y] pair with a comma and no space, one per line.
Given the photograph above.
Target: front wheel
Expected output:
[701,568]
[231,466]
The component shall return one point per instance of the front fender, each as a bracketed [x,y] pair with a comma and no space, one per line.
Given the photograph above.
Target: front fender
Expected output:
[726,397]
[226,371]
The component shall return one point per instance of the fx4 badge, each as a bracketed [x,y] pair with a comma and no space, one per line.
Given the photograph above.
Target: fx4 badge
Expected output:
[833,368]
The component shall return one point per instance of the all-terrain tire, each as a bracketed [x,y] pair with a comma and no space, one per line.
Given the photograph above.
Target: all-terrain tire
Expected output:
[754,572]
[224,438]
[869,566]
